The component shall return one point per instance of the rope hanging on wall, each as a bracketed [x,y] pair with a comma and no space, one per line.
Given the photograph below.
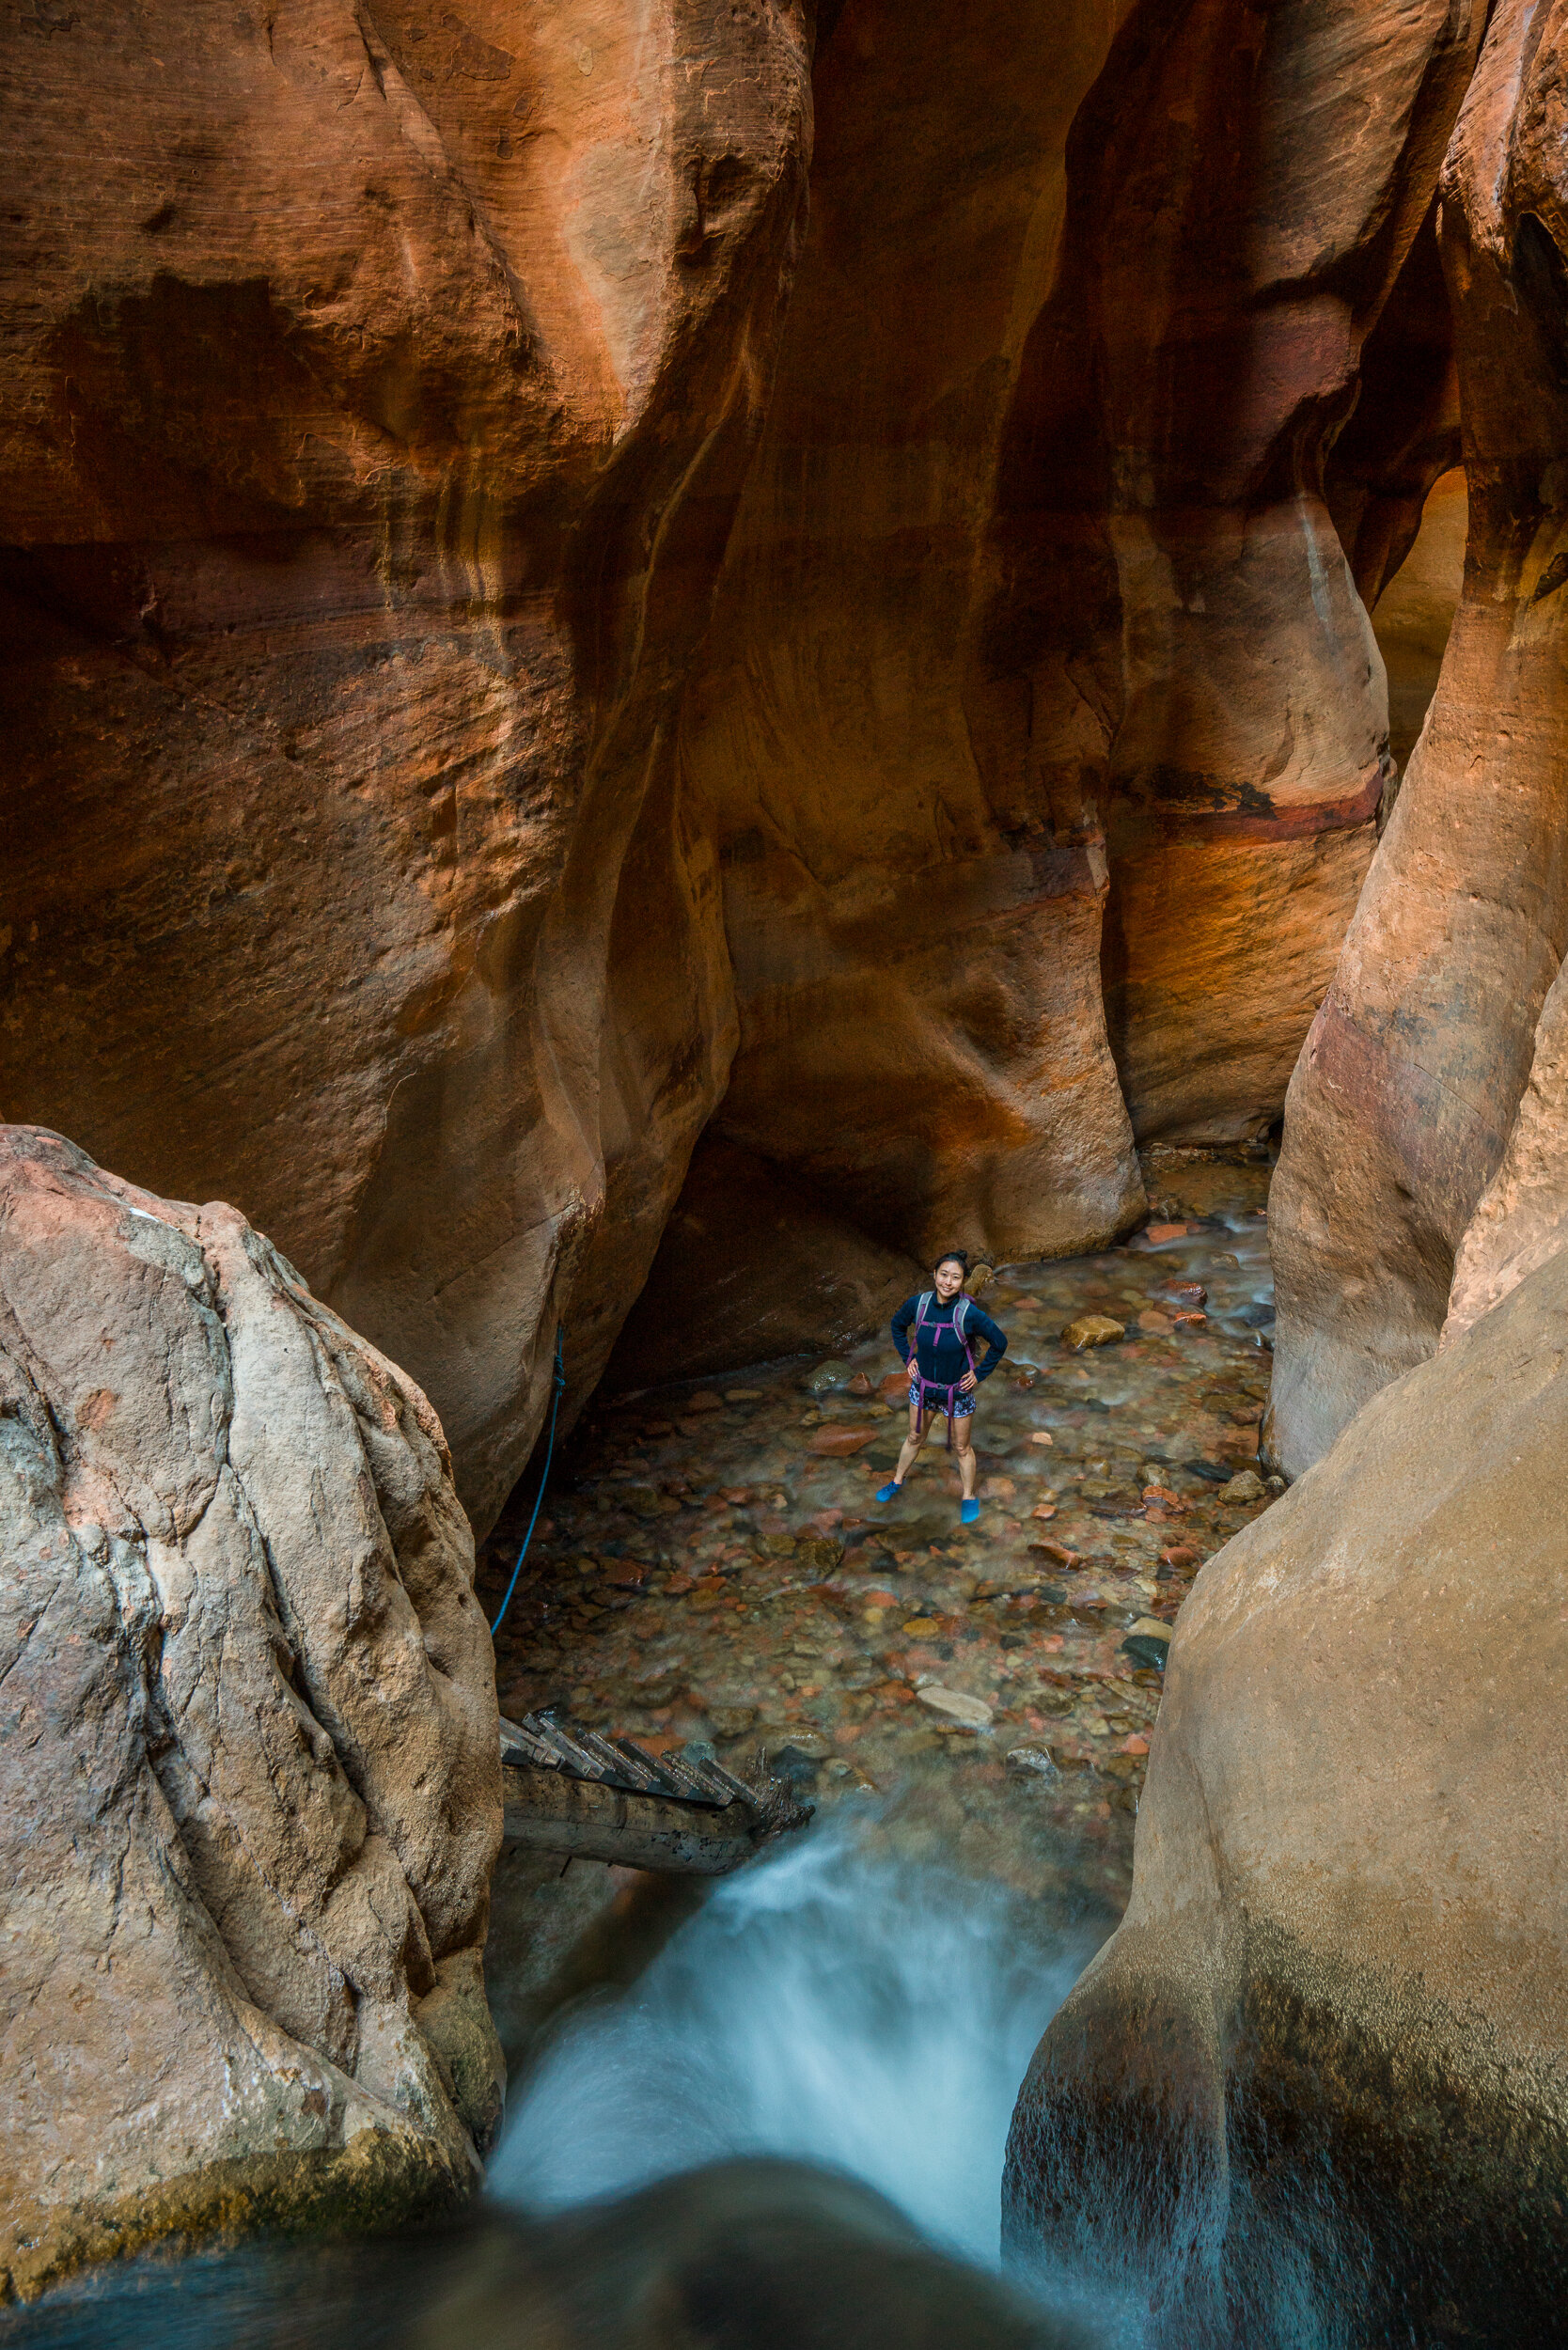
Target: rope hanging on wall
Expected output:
[549,1453]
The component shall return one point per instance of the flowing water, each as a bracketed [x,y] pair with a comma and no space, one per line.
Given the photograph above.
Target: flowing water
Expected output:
[855,2002]
[807,2094]
[842,2004]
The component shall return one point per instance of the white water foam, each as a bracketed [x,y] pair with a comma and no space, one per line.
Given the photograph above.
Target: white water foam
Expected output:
[832,2004]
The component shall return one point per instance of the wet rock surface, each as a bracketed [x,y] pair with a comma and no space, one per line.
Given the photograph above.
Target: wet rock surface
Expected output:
[739,2253]
[712,1563]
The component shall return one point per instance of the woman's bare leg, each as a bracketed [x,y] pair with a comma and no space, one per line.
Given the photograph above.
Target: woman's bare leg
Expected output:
[967,1462]
[912,1444]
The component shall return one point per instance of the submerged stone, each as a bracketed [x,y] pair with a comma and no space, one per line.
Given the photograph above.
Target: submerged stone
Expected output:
[1148,1642]
[1091,1331]
[957,1705]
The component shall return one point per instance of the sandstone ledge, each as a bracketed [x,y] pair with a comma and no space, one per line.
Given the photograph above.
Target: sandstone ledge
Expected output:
[380,2180]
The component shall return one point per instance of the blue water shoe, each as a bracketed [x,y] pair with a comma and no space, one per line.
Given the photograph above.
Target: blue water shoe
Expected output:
[885,1493]
[969,1511]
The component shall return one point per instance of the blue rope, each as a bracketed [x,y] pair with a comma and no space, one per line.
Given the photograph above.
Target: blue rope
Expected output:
[555,1407]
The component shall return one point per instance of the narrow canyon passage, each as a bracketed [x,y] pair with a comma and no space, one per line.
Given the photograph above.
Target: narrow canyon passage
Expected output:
[660,660]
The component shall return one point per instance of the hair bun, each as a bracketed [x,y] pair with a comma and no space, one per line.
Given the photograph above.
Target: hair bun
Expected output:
[951,1256]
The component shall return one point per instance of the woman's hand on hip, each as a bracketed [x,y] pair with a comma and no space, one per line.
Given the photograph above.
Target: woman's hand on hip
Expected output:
[967,1384]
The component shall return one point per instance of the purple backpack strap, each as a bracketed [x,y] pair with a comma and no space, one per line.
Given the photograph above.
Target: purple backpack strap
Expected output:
[926,1298]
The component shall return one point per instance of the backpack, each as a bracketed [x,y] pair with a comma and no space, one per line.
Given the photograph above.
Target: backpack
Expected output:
[961,1315]
[960,1311]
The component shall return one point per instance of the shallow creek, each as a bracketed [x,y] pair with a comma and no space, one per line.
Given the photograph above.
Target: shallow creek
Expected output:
[957,1704]
[704,1571]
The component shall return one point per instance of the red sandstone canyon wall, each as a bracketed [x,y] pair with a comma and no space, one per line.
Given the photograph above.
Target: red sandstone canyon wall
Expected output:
[1040,724]
[520,647]
[1410,1084]
[379,384]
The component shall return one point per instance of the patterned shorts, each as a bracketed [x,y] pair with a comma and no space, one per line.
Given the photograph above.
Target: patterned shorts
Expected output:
[964,1405]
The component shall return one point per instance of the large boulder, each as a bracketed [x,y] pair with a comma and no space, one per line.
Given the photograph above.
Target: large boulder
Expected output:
[1326,2055]
[249,1762]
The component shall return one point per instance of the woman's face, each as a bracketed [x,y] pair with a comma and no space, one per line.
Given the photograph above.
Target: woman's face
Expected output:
[948,1278]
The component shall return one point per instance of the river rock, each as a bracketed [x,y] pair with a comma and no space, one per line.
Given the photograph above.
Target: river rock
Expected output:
[1246,1487]
[1063,1553]
[838,1442]
[956,1705]
[731,1721]
[1148,1642]
[1091,1331]
[249,1751]
[1339,1993]
[750,2250]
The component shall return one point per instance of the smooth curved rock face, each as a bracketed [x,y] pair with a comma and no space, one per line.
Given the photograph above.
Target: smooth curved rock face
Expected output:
[1522,1218]
[396,850]
[1404,433]
[379,381]
[1326,2052]
[1174,628]
[1402,1106]
[917,962]
[249,1760]
[1414,615]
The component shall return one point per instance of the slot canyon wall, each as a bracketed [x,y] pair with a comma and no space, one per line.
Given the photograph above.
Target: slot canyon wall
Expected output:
[1318,2073]
[379,383]
[1315,2087]
[1424,1121]
[531,642]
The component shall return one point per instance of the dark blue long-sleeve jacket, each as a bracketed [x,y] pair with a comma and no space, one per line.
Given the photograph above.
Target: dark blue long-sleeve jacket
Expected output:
[942,1358]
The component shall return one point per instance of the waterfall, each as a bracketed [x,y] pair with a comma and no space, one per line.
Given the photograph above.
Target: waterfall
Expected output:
[839,2005]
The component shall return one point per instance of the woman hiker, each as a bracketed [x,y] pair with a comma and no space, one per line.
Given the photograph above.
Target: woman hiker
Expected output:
[941,1373]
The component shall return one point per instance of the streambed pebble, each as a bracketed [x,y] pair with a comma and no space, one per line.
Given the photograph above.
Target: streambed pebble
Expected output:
[711,1562]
